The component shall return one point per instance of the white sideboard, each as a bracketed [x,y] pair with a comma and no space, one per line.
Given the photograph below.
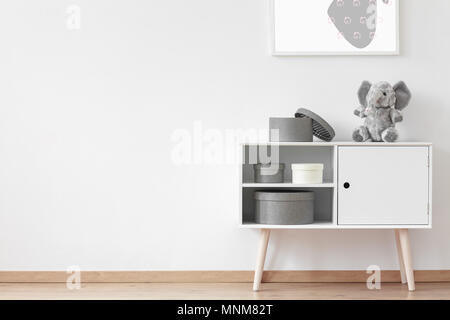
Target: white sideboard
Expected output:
[366,186]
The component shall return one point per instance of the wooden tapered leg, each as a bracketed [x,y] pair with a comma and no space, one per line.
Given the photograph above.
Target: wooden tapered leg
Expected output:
[407,258]
[400,256]
[260,259]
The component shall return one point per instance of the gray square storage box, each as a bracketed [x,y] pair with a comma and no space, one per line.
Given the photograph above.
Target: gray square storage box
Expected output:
[284,207]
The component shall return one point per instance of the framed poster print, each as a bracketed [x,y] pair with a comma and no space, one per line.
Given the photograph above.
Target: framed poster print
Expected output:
[335,27]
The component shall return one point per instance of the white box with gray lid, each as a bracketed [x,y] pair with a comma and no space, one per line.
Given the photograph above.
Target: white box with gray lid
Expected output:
[304,173]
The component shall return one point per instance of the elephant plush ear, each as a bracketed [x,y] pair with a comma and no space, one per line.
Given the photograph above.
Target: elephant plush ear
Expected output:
[363,91]
[402,94]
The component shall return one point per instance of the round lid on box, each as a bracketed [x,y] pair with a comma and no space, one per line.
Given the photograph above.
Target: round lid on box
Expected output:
[284,195]
[321,128]
[307,166]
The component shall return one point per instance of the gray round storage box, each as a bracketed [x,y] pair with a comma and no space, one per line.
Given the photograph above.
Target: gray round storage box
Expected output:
[269,173]
[291,129]
[302,128]
[284,207]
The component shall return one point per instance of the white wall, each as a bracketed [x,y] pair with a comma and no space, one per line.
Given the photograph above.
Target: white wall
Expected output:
[86,119]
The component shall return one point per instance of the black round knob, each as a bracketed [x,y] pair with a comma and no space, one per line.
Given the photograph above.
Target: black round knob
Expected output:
[346,185]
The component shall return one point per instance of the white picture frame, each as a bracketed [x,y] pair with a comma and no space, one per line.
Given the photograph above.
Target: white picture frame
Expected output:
[286,9]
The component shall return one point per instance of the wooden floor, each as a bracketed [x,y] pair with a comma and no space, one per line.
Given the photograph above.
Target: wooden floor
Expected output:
[226,291]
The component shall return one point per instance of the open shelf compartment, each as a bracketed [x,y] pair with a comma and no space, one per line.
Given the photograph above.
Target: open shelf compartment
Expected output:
[288,155]
[323,204]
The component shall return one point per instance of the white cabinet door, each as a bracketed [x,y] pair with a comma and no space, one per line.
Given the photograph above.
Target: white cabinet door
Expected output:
[383,185]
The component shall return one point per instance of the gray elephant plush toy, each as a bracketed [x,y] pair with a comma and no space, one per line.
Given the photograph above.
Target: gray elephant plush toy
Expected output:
[381,104]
